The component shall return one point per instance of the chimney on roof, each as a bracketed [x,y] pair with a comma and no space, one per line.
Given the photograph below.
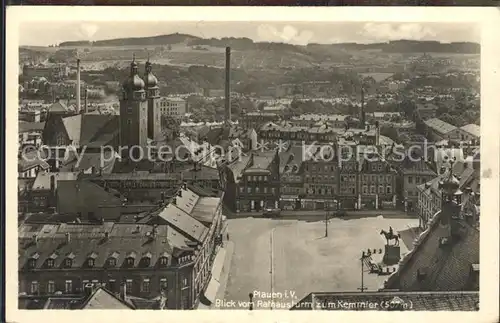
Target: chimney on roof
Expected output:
[68,237]
[35,239]
[88,289]
[228,85]
[78,95]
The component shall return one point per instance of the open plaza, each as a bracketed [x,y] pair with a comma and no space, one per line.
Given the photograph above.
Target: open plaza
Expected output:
[280,261]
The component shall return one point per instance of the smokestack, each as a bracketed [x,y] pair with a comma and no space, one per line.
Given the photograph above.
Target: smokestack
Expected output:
[85,108]
[78,97]
[362,106]
[228,82]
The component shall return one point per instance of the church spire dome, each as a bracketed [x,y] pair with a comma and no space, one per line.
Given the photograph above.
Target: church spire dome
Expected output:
[149,78]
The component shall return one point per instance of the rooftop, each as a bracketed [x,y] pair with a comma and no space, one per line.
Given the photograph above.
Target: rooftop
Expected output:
[420,301]
[473,129]
[440,126]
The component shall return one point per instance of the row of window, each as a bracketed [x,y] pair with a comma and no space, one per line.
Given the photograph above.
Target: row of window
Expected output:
[145,285]
[418,180]
[257,190]
[111,262]
[381,190]
[261,178]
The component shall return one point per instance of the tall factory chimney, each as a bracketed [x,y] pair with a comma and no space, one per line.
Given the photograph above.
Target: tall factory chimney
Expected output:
[363,121]
[85,107]
[78,95]
[228,85]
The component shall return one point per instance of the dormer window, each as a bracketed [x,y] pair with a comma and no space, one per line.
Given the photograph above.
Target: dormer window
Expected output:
[164,259]
[146,259]
[112,259]
[130,259]
[33,259]
[51,260]
[91,259]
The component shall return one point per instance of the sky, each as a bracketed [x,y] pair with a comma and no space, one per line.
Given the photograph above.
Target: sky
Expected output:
[298,33]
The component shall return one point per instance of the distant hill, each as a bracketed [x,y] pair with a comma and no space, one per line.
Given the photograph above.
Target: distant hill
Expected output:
[242,43]
[138,41]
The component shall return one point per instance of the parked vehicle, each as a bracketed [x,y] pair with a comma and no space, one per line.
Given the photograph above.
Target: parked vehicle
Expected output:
[272,212]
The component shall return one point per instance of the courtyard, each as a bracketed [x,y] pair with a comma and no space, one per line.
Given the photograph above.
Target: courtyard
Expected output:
[280,261]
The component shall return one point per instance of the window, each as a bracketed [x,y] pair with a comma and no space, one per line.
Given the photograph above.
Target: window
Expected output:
[112,262]
[163,261]
[50,263]
[68,287]
[51,287]
[410,180]
[380,189]
[249,190]
[130,261]
[32,263]
[34,287]
[128,285]
[184,282]
[389,190]
[365,189]
[242,189]
[372,189]
[112,285]
[90,262]
[145,285]
[163,284]
[257,189]
[68,263]
[265,189]
[273,190]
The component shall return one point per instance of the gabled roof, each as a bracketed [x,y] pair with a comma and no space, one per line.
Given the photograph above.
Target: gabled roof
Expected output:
[102,299]
[440,126]
[473,129]
[58,106]
[84,129]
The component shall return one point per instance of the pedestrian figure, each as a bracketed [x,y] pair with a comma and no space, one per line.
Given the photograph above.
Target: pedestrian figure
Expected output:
[227,236]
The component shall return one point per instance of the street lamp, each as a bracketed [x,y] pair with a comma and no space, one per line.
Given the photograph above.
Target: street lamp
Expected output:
[362,259]
[326,220]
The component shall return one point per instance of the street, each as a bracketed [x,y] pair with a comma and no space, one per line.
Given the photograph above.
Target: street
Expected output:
[282,260]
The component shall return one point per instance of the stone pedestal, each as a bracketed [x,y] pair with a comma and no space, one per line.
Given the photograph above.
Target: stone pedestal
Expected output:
[392,255]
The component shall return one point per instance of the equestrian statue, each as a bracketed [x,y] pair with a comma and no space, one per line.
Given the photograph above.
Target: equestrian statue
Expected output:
[391,236]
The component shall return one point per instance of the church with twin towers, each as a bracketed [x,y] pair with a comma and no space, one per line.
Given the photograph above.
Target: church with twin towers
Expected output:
[140,114]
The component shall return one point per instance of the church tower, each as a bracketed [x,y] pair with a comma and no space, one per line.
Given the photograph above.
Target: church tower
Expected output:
[133,116]
[153,98]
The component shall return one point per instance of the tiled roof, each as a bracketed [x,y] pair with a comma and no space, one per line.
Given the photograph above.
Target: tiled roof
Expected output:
[440,126]
[204,210]
[419,167]
[239,166]
[102,299]
[447,267]
[185,223]
[84,129]
[42,181]
[473,129]
[85,239]
[86,161]
[261,160]
[294,156]
[419,301]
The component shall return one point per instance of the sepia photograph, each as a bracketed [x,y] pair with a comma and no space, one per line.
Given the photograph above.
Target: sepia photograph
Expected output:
[250,165]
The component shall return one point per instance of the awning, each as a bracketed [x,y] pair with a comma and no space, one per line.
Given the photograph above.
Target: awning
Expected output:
[289,197]
[211,291]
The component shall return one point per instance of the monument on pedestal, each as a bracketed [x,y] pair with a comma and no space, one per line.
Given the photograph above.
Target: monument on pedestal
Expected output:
[392,253]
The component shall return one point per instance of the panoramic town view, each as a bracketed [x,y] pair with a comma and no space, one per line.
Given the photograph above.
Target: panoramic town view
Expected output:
[249,166]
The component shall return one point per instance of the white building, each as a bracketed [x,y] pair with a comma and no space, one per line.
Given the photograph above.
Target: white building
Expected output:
[173,106]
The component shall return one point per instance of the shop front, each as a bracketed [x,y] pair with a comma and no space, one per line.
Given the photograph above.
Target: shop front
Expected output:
[290,202]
